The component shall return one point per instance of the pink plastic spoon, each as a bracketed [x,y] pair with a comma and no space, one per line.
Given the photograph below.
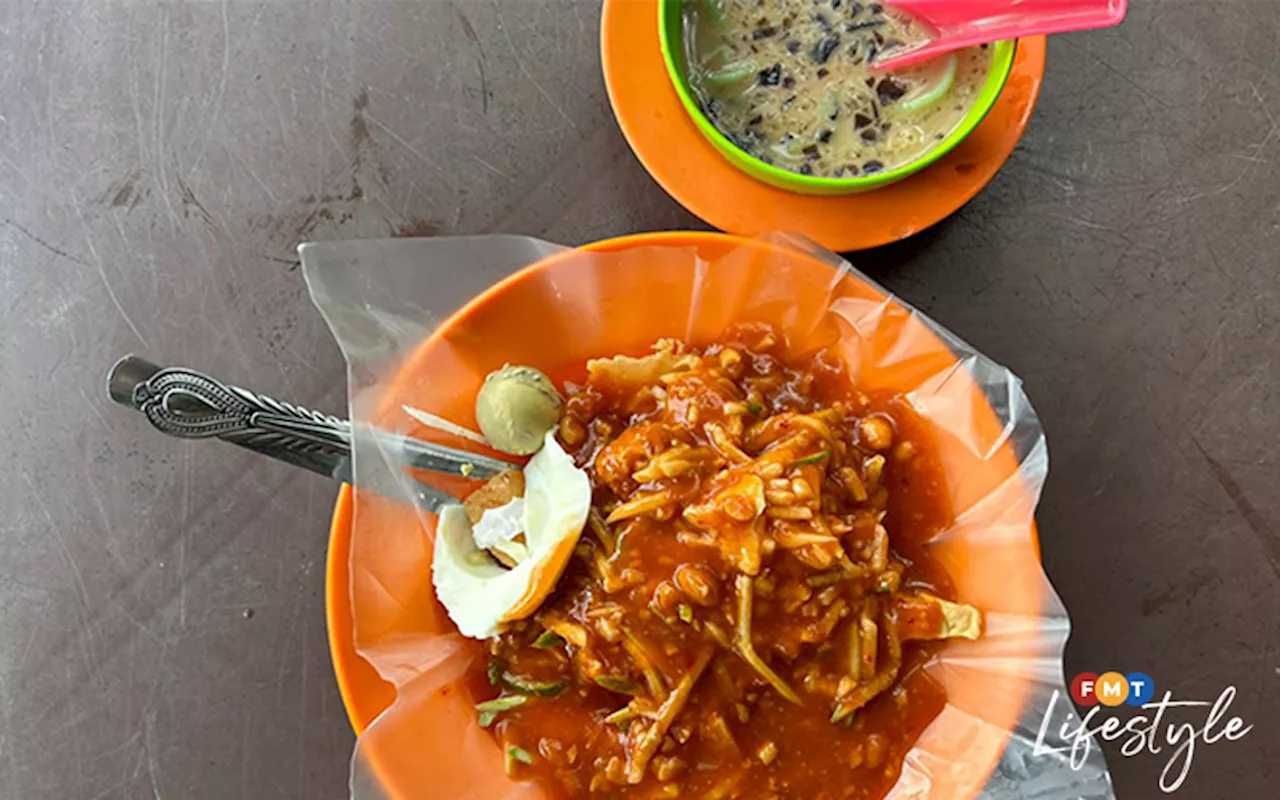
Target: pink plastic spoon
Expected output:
[954,24]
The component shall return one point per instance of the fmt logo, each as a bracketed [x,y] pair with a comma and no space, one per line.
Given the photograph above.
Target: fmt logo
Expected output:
[1112,689]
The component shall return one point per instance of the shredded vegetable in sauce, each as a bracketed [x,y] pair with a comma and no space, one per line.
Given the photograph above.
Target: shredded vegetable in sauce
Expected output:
[749,604]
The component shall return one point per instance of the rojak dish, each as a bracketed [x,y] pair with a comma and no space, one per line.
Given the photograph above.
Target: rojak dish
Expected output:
[710,581]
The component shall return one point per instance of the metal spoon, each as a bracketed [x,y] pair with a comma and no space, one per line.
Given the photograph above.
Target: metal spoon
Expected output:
[191,405]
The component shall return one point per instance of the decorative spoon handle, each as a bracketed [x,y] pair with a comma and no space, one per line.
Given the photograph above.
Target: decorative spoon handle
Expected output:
[191,405]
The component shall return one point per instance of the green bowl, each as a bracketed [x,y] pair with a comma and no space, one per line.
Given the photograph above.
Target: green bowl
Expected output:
[671,34]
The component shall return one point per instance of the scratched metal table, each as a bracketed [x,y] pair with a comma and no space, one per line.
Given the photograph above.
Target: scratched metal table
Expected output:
[161,620]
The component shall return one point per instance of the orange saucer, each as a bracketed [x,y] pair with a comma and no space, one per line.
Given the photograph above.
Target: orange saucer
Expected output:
[688,167]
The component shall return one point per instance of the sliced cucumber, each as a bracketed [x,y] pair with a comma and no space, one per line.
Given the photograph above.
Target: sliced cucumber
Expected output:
[490,710]
[934,92]
[522,685]
[548,640]
[733,73]
[713,10]
[615,683]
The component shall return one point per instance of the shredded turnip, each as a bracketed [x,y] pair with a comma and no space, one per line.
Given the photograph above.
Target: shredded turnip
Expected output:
[442,424]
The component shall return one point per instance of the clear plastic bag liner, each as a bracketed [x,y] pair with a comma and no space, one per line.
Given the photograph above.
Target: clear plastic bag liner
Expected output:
[420,326]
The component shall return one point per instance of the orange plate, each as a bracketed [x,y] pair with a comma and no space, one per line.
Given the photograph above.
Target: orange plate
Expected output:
[688,167]
[557,309]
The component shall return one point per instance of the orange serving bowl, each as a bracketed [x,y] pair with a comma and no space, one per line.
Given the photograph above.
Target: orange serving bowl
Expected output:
[571,307]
